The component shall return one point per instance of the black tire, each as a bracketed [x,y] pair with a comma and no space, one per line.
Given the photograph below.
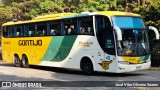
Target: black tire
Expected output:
[87,67]
[17,61]
[25,61]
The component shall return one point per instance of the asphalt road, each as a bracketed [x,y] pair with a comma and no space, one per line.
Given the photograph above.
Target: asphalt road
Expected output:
[8,72]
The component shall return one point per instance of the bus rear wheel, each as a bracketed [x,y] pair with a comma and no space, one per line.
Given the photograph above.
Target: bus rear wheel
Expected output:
[25,61]
[87,66]
[17,61]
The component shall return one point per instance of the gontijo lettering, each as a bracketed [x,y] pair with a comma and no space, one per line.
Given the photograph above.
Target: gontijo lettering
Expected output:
[30,42]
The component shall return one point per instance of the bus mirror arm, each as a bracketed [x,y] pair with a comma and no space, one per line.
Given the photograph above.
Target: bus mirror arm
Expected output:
[155,30]
[119,36]
[118,32]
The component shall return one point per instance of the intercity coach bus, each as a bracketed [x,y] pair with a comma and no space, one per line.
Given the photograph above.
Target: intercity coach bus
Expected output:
[105,41]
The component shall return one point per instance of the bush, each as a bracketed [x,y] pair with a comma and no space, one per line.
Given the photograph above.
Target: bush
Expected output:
[155,53]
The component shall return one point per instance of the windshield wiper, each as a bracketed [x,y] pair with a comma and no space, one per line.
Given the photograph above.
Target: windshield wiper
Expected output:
[143,48]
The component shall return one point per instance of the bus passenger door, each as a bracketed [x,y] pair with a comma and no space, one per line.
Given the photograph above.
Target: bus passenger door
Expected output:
[109,50]
[105,36]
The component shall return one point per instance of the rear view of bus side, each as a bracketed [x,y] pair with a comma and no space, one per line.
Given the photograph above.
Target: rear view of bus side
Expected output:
[106,41]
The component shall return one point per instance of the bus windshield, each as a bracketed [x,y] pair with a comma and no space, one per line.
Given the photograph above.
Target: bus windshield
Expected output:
[134,36]
[134,42]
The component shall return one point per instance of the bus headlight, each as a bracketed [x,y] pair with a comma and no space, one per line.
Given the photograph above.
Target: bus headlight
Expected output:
[123,62]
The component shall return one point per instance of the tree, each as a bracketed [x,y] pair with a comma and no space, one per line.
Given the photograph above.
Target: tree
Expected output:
[49,7]
[98,5]
[9,2]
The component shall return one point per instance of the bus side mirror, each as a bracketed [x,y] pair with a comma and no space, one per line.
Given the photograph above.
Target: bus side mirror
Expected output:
[155,31]
[118,32]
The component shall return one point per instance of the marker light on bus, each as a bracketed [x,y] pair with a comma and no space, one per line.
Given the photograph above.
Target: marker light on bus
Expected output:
[123,62]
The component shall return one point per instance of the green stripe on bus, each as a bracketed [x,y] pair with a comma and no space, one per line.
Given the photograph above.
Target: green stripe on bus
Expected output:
[53,48]
[59,48]
[144,58]
[65,48]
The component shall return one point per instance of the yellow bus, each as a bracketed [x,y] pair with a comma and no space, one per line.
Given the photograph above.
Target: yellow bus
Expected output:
[105,41]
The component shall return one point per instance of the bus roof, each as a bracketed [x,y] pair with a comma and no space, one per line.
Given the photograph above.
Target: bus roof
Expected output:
[70,15]
[118,13]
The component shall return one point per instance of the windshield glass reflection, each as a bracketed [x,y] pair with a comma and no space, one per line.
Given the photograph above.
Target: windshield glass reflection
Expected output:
[134,42]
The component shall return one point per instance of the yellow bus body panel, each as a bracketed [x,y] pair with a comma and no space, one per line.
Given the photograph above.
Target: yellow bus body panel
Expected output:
[34,53]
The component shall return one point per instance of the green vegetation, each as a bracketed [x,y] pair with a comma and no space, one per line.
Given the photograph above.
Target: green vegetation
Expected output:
[28,9]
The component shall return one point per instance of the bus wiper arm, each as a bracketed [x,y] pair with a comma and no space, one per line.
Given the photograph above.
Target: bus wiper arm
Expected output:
[143,48]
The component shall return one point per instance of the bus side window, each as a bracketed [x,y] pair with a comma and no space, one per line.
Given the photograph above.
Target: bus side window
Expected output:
[18,31]
[90,30]
[31,30]
[53,32]
[18,34]
[55,28]
[26,32]
[86,26]
[22,31]
[102,23]
[5,32]
[41,29]
[10,31]
[71,27]
[66,29]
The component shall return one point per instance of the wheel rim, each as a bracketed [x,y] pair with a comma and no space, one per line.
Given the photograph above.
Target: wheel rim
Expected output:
[88,67]
[17,61]
[25,62]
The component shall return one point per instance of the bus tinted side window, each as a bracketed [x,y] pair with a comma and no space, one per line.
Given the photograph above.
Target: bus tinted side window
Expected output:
[26,30]
[31,30]
[42,29]
[102,23]
[70,27]
[10,30]
[5,31]
[55,28]
[86,26]
[18,31]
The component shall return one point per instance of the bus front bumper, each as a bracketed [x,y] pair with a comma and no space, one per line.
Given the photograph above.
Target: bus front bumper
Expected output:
[132,67]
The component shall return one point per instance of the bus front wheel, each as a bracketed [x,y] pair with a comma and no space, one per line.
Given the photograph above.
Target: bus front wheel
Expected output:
[25,61]
[17,61]
[87,66]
